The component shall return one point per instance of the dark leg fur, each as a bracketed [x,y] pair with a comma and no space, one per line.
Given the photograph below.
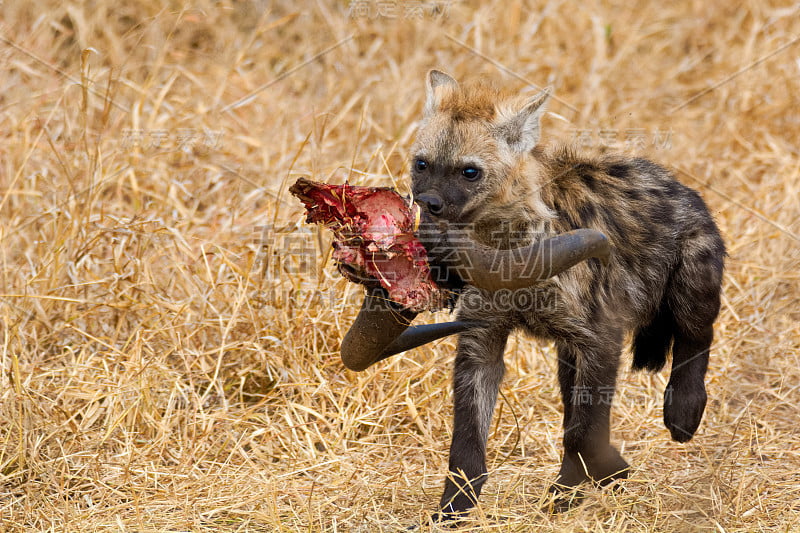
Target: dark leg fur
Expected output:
[479,370]
[685,396]
[694,298]
[587,378]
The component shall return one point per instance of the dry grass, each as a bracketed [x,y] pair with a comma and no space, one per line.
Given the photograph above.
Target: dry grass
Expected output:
[169,365]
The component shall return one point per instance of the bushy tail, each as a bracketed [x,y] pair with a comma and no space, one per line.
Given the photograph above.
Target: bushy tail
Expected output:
[652,343]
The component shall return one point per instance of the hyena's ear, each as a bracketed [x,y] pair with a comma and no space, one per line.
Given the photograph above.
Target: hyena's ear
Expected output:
[435,86]
[521,129]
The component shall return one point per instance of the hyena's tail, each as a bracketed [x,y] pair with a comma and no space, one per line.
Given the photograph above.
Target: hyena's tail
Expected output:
[652,343]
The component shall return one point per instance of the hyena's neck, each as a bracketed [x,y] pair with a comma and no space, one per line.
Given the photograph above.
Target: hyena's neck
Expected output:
[505,228]
[518,215]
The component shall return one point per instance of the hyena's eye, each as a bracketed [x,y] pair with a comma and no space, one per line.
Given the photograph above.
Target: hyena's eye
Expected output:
[420,165]
[471,173]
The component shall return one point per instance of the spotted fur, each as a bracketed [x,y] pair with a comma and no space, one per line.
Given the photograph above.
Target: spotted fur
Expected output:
[661,283]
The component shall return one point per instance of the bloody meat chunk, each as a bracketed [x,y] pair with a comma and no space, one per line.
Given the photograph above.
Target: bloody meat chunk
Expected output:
[374,241]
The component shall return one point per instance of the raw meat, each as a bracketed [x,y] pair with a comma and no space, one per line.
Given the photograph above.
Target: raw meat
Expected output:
[374,239]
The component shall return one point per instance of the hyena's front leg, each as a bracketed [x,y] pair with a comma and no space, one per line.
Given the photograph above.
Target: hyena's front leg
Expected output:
[587,376]
[479,370]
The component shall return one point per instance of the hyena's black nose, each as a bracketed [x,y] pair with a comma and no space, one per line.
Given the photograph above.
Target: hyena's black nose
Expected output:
[432,202]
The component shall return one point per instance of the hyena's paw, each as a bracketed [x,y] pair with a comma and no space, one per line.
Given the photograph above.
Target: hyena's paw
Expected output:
[601,468]
[598,468]
[440,520]
[684,404]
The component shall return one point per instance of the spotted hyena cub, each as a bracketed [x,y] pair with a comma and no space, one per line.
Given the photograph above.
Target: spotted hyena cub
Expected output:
[476,163]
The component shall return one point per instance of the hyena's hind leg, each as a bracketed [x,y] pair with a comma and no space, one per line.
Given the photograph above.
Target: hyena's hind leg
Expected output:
[693,297]
[587,377]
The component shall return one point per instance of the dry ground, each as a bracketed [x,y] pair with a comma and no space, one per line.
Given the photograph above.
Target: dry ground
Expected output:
[169,338]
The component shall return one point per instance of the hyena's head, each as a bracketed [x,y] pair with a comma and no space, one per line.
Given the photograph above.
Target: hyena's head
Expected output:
[472,160]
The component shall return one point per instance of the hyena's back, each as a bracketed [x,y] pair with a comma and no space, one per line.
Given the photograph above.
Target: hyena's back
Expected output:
[666,266]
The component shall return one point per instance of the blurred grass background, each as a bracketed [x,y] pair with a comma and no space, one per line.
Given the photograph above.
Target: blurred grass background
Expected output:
[170,327]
